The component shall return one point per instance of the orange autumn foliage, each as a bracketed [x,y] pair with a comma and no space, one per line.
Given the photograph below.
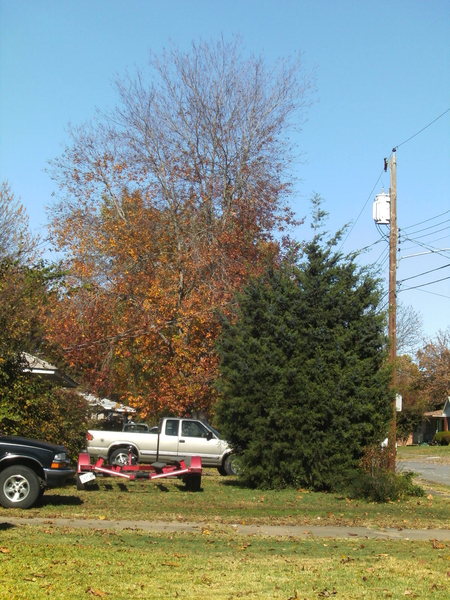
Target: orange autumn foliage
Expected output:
[168,205]
[144,322]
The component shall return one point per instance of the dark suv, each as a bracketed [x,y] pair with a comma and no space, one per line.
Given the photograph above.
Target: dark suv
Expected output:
[28,467]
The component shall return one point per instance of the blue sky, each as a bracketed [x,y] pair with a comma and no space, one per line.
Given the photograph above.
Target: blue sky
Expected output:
[383,73]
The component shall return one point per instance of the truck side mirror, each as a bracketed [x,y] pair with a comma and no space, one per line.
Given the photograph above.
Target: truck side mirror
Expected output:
[209,436]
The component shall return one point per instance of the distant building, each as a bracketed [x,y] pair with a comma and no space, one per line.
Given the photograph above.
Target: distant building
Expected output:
[433,422]
[42,368]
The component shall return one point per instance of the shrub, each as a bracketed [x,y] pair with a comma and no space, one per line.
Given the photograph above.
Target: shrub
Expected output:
[442,438]
[376,482]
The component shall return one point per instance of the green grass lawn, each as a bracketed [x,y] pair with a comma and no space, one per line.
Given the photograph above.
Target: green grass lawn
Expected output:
[223,500]
[419,452]
[47,562]
[217,562]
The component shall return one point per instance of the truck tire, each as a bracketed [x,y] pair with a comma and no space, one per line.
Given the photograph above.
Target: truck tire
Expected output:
[121,456]
[230,465]
[19,487]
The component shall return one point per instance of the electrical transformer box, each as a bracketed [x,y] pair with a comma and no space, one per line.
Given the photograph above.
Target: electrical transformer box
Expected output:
[382,209]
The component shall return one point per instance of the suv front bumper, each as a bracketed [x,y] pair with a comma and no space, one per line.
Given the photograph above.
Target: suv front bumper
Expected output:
[58,477]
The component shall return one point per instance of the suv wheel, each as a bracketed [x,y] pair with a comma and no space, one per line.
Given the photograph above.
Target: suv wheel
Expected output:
[19,487]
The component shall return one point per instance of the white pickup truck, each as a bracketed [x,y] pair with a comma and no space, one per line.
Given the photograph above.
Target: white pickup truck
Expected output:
[178,438]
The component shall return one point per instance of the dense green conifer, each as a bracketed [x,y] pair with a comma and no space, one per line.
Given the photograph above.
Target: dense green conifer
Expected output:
[304,382]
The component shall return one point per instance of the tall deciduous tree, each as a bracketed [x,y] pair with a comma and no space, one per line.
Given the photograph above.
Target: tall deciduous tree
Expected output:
[169,204]
[29,406]
[304,383]
[414,402]
[434,364]
[409,330]
[16,241]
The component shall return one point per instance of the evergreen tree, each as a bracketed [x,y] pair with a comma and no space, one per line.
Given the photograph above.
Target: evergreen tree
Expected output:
[304,382]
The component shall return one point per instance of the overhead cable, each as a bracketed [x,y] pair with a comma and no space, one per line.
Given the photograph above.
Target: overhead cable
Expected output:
[423,129]
[425,273]
[425,284]
[426,220]
[362,210]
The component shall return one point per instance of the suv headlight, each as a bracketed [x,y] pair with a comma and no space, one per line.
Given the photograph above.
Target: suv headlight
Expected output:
[60,461]
[61,457]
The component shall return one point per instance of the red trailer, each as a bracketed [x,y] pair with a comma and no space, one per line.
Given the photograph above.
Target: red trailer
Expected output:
[189,470]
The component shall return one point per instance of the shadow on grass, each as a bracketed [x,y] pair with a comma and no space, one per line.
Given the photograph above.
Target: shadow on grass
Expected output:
[185,489]
[5,526]
[240,483]
[55,500]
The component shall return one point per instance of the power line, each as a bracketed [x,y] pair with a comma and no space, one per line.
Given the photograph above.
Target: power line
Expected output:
[425,284]
[427,228]
[362,210]
[427,220]
[423,129]
[428,292]
[382,239]
[428,247]
[425,273]
[426,234]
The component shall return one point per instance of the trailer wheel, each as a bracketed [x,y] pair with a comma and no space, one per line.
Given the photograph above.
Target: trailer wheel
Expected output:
[121,457]
[80,486]
[194,482]
[19,487]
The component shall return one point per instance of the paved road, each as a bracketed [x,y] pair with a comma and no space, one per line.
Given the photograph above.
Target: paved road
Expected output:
[301,531]
[429,469]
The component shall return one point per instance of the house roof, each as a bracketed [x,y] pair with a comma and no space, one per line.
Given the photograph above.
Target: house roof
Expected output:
[38,366]
[438,414]
[106,405]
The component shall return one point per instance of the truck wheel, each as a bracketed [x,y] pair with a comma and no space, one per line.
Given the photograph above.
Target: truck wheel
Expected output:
[230,465]
[121,457]
[19,487]
[221,470]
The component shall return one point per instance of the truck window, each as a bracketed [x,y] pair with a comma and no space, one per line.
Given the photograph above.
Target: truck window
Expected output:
[172,427]
[193,429]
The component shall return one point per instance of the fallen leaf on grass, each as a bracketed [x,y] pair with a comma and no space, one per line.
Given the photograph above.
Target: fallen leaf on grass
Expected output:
[437,545]
[206,580]
[5,550]
[326,594]
[96,592]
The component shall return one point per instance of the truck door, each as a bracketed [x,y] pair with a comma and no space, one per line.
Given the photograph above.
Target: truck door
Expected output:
[168,449]
[197,440]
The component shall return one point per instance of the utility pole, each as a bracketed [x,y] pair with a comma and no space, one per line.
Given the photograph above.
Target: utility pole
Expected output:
[393,302]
